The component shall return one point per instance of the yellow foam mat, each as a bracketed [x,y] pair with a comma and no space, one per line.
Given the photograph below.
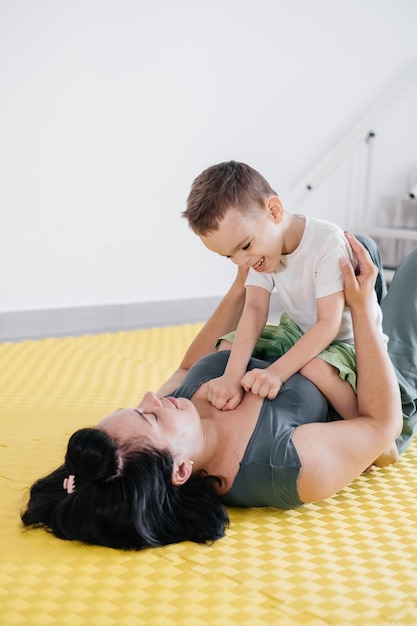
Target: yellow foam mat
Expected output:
[349,560]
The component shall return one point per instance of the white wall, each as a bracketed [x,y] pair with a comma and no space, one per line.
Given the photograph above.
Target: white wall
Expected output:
[110,108]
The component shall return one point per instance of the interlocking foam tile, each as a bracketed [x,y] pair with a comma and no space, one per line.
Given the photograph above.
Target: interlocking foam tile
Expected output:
[349,560]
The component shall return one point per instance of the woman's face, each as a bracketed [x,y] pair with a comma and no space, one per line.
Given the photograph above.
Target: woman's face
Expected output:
[171,424]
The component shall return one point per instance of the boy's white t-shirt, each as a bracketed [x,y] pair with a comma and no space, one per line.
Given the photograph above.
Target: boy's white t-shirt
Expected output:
[312,271]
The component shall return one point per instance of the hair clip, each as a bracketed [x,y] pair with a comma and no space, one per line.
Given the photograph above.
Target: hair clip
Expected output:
[69,483]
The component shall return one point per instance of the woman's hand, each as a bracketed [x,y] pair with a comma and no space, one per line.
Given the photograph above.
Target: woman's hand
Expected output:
[358,288]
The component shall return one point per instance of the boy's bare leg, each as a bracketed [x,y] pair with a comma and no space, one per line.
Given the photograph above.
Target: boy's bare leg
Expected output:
[342,397]
[337,391]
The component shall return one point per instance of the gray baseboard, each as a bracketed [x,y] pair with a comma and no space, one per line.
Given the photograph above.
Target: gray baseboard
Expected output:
[74,321]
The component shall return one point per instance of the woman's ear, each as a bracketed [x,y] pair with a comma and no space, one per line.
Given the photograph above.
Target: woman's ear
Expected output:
[275,208]
[181,472]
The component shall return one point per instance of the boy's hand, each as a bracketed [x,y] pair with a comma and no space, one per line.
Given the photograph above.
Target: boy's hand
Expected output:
[262,382]
[224,393]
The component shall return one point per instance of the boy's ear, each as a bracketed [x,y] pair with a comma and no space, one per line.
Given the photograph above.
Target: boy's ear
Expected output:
[181,472]
[275,208]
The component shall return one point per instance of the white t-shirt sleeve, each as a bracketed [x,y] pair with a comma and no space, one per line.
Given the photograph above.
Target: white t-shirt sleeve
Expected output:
[258,279]
[328,276]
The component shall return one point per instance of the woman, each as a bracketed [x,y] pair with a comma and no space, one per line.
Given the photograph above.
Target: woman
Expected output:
[162,472]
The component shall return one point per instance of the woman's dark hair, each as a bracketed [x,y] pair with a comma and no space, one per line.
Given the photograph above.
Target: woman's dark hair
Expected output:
[124,498]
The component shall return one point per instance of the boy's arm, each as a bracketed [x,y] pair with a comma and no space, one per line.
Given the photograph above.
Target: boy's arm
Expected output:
[329,315]
[224,319]
[251,324]
[226,392]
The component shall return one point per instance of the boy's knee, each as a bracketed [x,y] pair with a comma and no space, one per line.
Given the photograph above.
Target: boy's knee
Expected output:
[315,369]
[310,367]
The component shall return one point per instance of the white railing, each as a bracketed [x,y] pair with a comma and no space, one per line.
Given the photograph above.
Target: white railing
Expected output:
[364,131]
[361,131]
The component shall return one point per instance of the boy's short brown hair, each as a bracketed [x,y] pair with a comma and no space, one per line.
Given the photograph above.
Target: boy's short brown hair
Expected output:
[220,187]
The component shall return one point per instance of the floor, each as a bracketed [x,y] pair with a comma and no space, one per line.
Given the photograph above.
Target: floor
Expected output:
[349,560]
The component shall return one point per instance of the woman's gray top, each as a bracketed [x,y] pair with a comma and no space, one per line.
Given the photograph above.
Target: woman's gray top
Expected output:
[270,467]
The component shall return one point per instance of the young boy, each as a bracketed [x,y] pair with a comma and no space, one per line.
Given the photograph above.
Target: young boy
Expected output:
[237,214]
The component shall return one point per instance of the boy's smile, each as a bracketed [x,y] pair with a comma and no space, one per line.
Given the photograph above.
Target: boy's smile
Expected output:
[252,239]
[259,267]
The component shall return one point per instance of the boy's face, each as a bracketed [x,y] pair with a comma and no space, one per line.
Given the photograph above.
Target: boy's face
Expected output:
[252,240]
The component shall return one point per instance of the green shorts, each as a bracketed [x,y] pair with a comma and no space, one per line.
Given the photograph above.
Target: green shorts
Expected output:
[276,340]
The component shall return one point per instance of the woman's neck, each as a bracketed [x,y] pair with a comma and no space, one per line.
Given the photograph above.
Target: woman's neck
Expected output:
[226,435]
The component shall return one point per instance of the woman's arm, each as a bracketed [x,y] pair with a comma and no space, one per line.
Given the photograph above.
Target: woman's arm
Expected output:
[224,319]
[333,454]
[226,391]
